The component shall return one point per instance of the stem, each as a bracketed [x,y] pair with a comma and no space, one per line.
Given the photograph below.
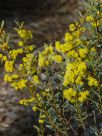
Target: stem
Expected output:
[79,114]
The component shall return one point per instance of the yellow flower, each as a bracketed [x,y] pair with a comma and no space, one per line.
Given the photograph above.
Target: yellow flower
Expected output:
[31,48]
[13,54]
[74,72]
[93,49]
[70,94]
[77,42]
[42,119]
[63,47]
[45,93]
[1,55]
[36,79]
[70,67]
[38,96]
[92,81]
[46,63]
[21,43]
[68,78]
[41,60]
[72,27]
[14,76]
[24,34]
[68,37]
[76,34]
[83,96]
[79,80]
[48,50]
[23,102]
[83,52]
[82,68]
[7,78]
[95,23]
[30,100]
[42,116]
[89,18]
[24,59]
[34,108]
[9,66]
[58,46]
[20,84]
[5,46]
[4,58]
[20,51]
[67,46]
[57,58]
[72,54]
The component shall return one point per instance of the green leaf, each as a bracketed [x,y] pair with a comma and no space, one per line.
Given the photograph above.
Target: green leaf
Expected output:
[37,128]
[2,24]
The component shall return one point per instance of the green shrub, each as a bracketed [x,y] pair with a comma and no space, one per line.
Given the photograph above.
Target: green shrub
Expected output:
[63,81]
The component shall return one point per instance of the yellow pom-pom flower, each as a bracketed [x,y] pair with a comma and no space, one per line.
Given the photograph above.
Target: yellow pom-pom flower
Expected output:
[36,79]
[57,58]
[92,81]
[83,52]
[83,96]
[70,94]
[7,78]
[72,27]
[9,66]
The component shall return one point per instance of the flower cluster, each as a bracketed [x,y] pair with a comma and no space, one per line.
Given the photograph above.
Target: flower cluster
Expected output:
[3,58]
[73,96]
[75,72]
[9,66]
[24,34]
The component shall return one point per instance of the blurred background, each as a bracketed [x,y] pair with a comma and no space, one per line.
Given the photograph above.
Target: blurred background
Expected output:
[48,19]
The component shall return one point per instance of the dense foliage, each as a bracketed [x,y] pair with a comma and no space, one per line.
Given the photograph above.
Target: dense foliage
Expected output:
[62,81]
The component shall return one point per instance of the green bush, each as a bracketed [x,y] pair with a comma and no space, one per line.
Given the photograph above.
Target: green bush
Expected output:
[63,80]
